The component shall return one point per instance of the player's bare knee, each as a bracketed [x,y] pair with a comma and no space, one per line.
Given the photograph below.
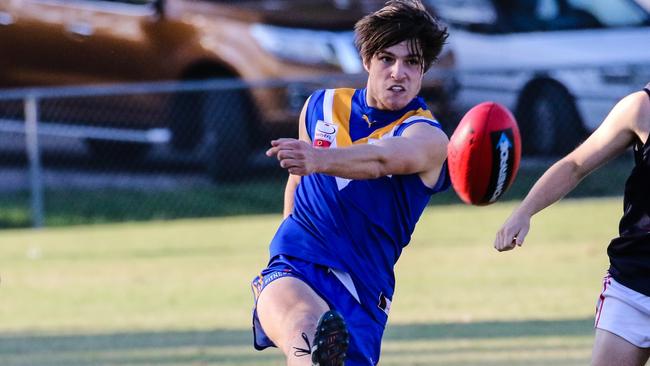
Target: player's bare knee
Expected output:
[285,323]
[299,333]
[303,320]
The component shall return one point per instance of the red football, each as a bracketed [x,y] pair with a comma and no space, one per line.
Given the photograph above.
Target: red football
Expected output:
[484,153]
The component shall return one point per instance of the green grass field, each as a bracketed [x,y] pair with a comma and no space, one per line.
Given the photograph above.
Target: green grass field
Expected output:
[176,293]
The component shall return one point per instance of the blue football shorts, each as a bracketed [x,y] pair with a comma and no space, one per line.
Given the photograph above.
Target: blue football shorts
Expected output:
[365,331]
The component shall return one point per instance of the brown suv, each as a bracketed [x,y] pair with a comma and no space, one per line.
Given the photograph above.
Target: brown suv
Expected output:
[73,42]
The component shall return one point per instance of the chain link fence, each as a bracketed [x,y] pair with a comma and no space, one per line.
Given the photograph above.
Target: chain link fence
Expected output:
[157,151]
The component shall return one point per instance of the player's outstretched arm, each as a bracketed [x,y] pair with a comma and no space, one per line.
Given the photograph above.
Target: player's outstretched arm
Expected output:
[421,149]
[619,130]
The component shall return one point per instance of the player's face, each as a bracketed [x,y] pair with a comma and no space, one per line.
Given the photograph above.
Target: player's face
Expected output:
[394,77]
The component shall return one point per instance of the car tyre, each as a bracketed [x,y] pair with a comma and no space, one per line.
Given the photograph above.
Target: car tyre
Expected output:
[549,121]
[186,122]
[227,117]
[117,151]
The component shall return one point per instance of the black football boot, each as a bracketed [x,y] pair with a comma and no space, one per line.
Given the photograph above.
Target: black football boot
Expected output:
[331,340]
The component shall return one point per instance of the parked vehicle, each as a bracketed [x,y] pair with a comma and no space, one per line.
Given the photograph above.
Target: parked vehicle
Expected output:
[71,42]
[560,65]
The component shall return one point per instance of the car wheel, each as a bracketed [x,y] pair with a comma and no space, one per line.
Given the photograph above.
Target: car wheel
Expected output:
[117,151]
[549,121]
[227,117]
[186,122]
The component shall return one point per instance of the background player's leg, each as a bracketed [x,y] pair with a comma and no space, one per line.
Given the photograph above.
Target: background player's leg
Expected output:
[287,309]
[612,350]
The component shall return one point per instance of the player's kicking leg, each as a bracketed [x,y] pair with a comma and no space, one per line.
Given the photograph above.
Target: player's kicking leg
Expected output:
[296,319]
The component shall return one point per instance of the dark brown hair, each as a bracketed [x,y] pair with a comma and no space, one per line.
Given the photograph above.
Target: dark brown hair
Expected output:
[398,21]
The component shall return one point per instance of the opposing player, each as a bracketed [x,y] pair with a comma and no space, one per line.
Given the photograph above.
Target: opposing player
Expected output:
[361,174]
[623,310]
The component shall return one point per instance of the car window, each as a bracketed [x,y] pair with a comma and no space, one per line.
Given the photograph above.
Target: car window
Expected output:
[133,2]
[613,13]
[465,12]
[515,16]
[644,3]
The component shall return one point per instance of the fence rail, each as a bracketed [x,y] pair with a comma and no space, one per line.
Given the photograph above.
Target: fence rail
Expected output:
[183,132]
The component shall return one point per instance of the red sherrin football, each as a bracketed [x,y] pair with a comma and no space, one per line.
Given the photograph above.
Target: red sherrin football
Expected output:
[484,153]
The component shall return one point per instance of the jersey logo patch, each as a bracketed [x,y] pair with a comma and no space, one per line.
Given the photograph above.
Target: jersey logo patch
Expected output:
[368,121]
[325,134]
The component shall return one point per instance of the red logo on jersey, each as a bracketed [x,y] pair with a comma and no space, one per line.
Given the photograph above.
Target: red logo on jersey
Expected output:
[325,134]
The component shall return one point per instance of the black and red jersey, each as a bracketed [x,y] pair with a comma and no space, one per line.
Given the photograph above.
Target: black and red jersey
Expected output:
[629,254]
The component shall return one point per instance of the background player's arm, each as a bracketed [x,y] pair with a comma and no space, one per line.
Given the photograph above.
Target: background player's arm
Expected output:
[628,121]
[421,149]
[294,180]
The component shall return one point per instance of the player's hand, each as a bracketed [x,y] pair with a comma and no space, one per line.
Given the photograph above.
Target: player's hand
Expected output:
[512,233]
[297,156]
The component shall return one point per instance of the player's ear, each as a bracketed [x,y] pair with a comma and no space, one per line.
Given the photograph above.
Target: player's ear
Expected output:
[366,64]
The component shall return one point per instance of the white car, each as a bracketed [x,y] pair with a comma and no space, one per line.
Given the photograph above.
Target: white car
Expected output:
[560,65]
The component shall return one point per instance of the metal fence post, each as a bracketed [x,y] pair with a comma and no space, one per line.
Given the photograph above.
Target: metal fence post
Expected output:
[34,156]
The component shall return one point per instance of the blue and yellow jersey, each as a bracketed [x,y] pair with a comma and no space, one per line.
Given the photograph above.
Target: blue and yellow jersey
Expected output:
[356,226]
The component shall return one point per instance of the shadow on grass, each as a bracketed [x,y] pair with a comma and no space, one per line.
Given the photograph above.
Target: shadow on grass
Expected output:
[233,347]
[491,329]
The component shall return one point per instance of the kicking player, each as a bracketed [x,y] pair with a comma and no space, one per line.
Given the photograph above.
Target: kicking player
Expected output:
[361,173]
[623,310]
